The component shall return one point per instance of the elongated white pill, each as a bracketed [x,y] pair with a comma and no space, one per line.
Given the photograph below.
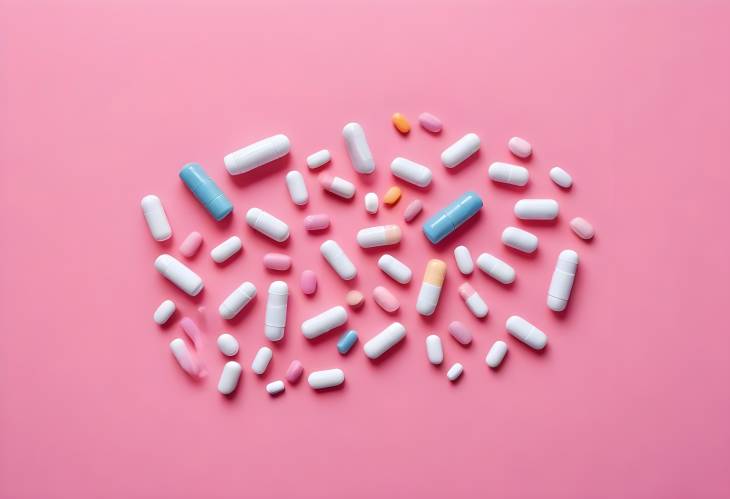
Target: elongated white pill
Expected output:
[371,203]
[463,260]
[384,340]
[324,322]
[410,171]
[561,177]
[562,281]
[519,239]
[336,257]
[318,159]
[164,312]
[381,235]
[257,154]
[235,302]
[267,224]
[275,387]
[329,378]
[358,148]
[433,280]
[434,349]
[455,371]
[460,150]
[179,274]
[536,209]
[496,354]
[226,249]
[473,301]
[275,320]
[156,218]
[509,174]
[394,268]
[496,268]
[230,375]
[262,359]
[526,332]
[297,188]
[227,344]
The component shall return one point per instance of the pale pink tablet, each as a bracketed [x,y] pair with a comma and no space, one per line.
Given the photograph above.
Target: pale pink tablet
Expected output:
[460,332]
[193,331]
[187,360]
[277,261]
[519,147]
[191,244]
[385,299]
[354,298]
[413,210]
[430,122]
[582,228]
[294,372]
[319,221]
[308,282]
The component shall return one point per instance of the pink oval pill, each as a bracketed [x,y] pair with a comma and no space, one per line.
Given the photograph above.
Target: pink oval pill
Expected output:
[317,222]
[385,299]
[430,122]
[519,147]
[294,372]
[193,331]
[582,228]
[460,332]
[412,210]
[308,282]
[277,261]
[191,244]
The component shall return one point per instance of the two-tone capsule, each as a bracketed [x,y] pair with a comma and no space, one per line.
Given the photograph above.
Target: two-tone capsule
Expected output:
[433,280]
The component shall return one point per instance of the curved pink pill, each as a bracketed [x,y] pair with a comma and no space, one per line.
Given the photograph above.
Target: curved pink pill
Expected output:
[413,210]
[519,147]
[277,261]
[191,244]
[430,122]
[187,360]
[294,372]
[460,332]
[317,222]
[582,228]
[385,299]
[193,331]
[308,282]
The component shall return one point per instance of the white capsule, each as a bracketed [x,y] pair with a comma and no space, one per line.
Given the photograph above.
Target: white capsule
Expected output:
[381,235]
[434,349]
[319,158]
[410,171]
[227,344]
[267,224]
[454,372]
[460,150]
[473,301]
[526,332]
[156,219]
[297,188]
[164,312]
[320,380]
[324,322]
[338,260]
[229,377]
[235,302]
[433,280]
[496,354]
[536,209]
[226,249]
[384,340]
[519,239]
[463,260]
[179,274]
[496,268]
[371,203]
[561,177]
[275,387]
[509,174]
[262,359]
[337,185]
[395,269]
[562,282]
[358,149]
[257,154]
[275,320]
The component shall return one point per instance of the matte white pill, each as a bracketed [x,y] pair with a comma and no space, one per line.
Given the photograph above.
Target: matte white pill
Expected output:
[460,150]
[474,302]
[275,320]
[562,281]
[371,203]
[381,235]
[519,147]
[519,239]
[275,387]
[454,372]
[227,344]
[156,218]
[536,209]
[226,249]
[230,375]
[394,268]
[267,224]
[509,174]
[336,257]
[318,159]
[410,171]
[434,349]
[561,177]
[526,332]
[257,154]
[358,148]
[329,378]
[297,188]
[262,359]
[496,354]
[384,340]
[235,302]
[463,260]
[496,268]
[179,274]
[324,322]
[164,312]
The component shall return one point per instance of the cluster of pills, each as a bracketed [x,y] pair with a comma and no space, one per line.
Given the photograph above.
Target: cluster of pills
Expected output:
[436,228]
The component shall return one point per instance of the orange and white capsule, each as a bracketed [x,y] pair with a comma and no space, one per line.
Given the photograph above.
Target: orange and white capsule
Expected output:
[433,280]
[473,301]
[380,235]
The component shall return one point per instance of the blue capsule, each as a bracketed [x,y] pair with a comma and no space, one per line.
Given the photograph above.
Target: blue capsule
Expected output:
[206,190]
[346,341]
[446,221]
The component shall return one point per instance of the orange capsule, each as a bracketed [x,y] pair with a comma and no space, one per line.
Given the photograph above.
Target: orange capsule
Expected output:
[401,123]
[392,196]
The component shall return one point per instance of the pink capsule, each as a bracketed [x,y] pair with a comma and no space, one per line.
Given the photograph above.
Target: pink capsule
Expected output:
[294,372]
[308,282]
[191,244]
[460,332]
[413,210]
[187,360]
[519,147]
[317,222]
[430,122]
[277,261]
[582,228]
[193,331]
[385,299]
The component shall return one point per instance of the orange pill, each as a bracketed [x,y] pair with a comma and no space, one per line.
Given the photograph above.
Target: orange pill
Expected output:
[401,123]
[392,196]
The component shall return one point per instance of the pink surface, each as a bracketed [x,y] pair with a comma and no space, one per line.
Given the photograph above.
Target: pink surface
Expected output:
[103,102]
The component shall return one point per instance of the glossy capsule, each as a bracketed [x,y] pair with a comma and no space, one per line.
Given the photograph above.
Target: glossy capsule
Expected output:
[401,123]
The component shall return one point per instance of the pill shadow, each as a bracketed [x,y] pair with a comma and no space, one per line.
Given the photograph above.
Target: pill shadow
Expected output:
[318,232]
[329,336]
[521,189]
[332,389]
[539,353]
[334,196]
[457,381]
[280,244]
[391,352]
[522,254]
[540,223]
[255,175]
[464,164]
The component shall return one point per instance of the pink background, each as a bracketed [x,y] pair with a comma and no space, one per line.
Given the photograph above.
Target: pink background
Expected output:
[103,102]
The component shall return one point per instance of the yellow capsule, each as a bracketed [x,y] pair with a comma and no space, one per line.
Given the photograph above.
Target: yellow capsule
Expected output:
[401,123]
[392,196]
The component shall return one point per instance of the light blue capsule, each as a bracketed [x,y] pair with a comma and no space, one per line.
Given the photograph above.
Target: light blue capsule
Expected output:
[206,190]
[446,221]
[346,341]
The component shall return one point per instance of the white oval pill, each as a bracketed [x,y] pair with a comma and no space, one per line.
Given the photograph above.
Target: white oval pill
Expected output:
[226,249]
[179,274]
[257,154]
[297,188]
[156,218]
[336,257]
[384,340]
[536,209]
[519,239]
[496,354]
[463,260]
[235,302]
[381,235]
[267,224]
[371,203]
[164,312]
[496,268]
[509,174]
[262,359]
[326,379]
[519,147]
[562,281]
[460,150]
[318,159]
[394,268]
[434,349]
[410,171]
[358,148]
[526,332]
[454,372]
[275,387]
[230,375]
[561,177]
[227,344]
[326,321]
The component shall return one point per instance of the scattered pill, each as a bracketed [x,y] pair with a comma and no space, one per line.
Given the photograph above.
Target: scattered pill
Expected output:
[473,301]
[526,332]
[460,332]
[257,154]
[235,302]
[338,260]
[227,344]
[381,235]
[447,220]
[164,312]
[179,274]
[230,375]
[536,209]
[308,282]
[509,174]
[433,280]
[156,219]
[329,378]
[562,281]
[430,122]
[275,387]
[187,360]
[358,148]
[324,322]
[496,354]
[206,191]
[262,359]
[392,196]
[318,159]
[385,299]
[226,249]
[395,269]
[319,221]
[455,372]
[496,268]
[411,172]
[267,224]
[346,341]
[582,228]
[384,340]
[275,320]
[371,203]
[191,244]
[297,188]
[400,122]
[460,150]
[354,298]
[294,372]
[463,260]
[193,332]
[519,239]
[434,349]
[519,147]
[412,210]
[277,261]
[561,177]
[337,185]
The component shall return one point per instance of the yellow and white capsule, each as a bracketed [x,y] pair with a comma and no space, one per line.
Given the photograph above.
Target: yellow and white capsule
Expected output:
[433,280]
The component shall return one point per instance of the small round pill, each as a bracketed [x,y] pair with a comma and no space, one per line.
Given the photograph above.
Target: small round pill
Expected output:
[354,298]
[275,387]
[392,196]
[434,349]
[582,228]
[191,244]
[561,177]
[164,312]
[519,147]
[401,123]
[430,122]
[308,282]
[455,371]
[318,159]
[227,344]
[464,262]
[371,203]
[413,210]
[277,261]
[346,341]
